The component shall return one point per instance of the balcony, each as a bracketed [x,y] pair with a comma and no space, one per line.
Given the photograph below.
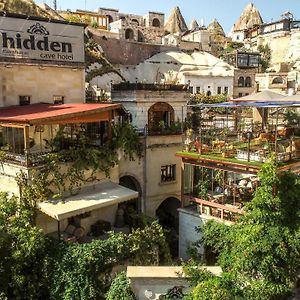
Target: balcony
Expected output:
[223,153]
[29,133]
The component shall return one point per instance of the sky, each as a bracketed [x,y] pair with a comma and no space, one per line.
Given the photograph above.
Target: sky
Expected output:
[225,11]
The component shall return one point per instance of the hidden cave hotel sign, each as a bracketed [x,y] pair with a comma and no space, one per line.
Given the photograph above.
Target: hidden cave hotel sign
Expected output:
[39,40]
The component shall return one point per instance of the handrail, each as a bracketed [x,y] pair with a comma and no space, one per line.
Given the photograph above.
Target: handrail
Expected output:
[222,207]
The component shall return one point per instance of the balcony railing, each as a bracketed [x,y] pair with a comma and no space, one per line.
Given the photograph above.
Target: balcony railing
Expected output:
[224,212]
[127,86]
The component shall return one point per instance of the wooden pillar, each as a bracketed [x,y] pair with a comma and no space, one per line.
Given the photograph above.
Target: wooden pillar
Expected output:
[110,125]
[26,143]
[182,184]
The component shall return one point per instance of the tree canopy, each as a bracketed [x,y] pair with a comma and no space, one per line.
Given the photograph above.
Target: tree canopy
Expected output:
[261,252]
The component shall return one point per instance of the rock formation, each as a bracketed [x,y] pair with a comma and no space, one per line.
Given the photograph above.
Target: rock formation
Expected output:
[25,7]
[194,25]
[249,18]
[176,22]
[215,28]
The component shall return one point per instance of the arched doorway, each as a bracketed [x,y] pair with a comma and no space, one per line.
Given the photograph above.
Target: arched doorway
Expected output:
[132,207]
[156,23]
[110,18]
[129,34]
[167,214]
[140,37]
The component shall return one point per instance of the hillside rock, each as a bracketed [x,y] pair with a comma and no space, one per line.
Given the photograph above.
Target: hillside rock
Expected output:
[194,25]
[176,22]
[25,7]
[215,28]
[249,18]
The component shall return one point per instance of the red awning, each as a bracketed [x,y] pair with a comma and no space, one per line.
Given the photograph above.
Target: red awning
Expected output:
[47,114]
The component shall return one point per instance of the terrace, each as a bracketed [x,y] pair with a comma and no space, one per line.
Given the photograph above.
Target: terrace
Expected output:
[226,147]
[28,133]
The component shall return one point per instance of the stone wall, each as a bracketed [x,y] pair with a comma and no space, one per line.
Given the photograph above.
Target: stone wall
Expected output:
[133,53]
[189,219]
[239,91]
[41,83]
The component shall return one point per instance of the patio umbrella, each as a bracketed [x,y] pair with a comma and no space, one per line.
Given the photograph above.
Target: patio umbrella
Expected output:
[265,95]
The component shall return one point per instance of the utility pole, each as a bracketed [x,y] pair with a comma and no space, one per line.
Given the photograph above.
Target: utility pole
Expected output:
[54,4]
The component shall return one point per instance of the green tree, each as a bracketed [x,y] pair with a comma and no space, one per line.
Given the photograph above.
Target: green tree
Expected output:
[265,59]
[261,252]
[120,288]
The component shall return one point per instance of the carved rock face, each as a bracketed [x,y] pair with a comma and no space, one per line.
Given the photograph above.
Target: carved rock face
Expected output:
[249,18]
[176,22]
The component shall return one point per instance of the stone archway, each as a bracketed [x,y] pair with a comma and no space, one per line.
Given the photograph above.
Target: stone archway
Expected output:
[132,183]
[129,34]
[168,216]
[160,112]
[156,23]
[141,37]
[110,18]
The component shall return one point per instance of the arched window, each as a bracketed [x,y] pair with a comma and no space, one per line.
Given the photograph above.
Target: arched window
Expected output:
[135,21]
[110,18]
[208,93]
[155,22]
[248,82]
[129,35]
[241,82]
[160,111]
[278,80]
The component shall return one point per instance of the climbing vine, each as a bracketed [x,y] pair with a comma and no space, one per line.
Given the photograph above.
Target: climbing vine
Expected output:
[65,170]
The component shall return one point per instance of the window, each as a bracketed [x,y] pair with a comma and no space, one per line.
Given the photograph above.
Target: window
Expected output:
[198,89]
[240,95]
[156,23]
[219,90]
[58,99]
[160,112]
[278,80]
[241,82]
[208,93]
[24,100]
[168,173]
[248,82]
[226,90]
[13,140]
[191,89]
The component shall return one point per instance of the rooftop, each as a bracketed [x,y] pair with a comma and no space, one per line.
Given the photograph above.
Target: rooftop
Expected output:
[44,113]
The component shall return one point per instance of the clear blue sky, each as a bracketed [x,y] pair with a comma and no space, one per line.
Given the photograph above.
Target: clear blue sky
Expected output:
[226,11]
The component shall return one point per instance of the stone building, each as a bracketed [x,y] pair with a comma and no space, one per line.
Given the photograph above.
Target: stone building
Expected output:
[148,28]
[41,64]
[282,37]
[246,66]
[249,18]
[203,72]
[157,111]
[42,94]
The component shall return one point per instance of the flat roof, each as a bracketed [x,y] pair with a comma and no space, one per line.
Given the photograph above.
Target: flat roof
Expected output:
[89,198]
[45,113]
[165,271]
[36,18]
